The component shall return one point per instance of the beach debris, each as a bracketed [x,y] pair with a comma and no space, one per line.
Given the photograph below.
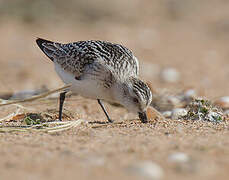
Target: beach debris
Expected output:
[166,101]
[203,109]
[33,119]
[44,122]
[43,95]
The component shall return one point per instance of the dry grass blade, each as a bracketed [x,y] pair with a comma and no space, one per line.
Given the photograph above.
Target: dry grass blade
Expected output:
[35,97]
[10,129]
[44,127]
[49,127]
[70,125]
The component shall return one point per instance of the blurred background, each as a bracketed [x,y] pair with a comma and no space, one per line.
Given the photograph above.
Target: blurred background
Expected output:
[179,43]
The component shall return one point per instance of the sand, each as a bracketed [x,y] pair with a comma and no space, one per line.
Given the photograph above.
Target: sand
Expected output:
[195,44]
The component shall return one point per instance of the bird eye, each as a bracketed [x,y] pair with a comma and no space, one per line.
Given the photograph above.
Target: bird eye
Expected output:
[135,100]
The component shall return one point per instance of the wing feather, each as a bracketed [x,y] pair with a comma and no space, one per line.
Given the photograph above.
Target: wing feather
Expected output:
[75,57]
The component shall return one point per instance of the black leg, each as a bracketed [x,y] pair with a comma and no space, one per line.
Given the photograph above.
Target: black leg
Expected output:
[62,98]
[104,110]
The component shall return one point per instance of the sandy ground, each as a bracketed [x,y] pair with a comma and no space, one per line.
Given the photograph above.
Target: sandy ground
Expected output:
[192,42]
[111,151]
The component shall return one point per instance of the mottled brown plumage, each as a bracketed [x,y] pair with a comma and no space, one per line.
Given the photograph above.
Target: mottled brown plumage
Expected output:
[100,70]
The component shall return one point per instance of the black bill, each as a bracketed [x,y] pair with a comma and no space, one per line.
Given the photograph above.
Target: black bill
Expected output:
[143,117]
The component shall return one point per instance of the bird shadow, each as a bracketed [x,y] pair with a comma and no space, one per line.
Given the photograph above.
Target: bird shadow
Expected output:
[112,123]
[100,122]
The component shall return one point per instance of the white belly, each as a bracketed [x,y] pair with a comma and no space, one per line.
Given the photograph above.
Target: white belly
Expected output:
[86,87]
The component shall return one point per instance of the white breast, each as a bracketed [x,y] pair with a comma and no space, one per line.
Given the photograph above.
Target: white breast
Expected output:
[87,87]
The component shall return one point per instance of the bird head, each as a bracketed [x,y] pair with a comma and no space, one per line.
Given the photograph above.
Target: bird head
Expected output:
[136,96]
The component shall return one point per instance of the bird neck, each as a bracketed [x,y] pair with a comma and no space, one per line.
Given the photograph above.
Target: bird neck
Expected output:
[120,90]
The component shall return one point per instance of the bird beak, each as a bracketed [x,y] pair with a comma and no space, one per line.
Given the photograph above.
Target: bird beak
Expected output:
[142,116]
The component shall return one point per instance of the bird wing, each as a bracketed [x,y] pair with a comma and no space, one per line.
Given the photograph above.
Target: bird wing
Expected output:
[67,56]
[78,56]
[116,57]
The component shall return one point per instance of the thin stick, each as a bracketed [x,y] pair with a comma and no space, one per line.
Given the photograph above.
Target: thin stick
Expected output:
[36,97]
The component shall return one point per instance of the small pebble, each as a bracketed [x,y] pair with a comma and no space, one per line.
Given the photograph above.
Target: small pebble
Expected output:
[167,114]
[174,101]
[223,102]
[183,163]
[147,169]
[226,112]
[179,112]
[214,116]
[178,157]
[170,75]
[190,93]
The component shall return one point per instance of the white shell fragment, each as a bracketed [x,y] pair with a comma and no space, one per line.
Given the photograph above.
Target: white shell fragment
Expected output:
[190,93]
[178,157]
[179,112]
[167,114]
[214,116]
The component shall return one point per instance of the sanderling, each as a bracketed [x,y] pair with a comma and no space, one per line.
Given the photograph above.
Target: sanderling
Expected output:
[100,70]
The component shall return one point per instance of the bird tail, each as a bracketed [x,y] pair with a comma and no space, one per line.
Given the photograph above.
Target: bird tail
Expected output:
[48,47]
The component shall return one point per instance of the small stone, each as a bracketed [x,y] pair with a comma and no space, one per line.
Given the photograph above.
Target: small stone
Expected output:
[179,157]
[214,116]
[226,112]
[223,102]
[174,101]
[147,169]
[189,93]
[182,163]
[167,114]
[178,113]
[170,75]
